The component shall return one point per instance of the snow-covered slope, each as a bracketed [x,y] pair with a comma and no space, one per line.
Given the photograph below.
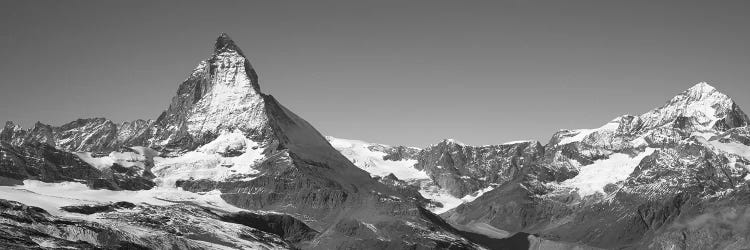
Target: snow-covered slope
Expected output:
[372,158]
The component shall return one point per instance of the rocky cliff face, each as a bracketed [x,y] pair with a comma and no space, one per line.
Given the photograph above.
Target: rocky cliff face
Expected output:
[631,182]
[463,169]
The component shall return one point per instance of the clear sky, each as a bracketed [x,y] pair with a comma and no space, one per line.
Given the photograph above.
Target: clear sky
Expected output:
[395,72]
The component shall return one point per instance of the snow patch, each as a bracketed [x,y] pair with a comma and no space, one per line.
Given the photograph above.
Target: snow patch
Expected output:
[433,192]
[359,153]
[593,177]
[125,159]
[207,161]
[732,148]
[516,142]
[52,196]
[475,195]
[581,134]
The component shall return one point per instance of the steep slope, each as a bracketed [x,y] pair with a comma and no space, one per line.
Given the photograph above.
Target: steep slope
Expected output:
[631,182]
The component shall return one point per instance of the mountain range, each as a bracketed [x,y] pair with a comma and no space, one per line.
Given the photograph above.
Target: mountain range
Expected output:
[226,166]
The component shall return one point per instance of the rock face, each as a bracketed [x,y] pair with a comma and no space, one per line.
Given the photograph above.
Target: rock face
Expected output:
[40,161]
[463,169]
[636,182]
[43,162]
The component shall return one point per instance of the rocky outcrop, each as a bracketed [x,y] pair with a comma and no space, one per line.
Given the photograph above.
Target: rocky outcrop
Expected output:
[97,208]
[463,169]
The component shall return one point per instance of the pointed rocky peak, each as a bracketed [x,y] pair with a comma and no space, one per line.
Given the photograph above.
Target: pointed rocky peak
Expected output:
[221,95]
[10,125]
[700,108]
[446,143]
[225,43]
[701,91]
[452,141]
[701,87]
[700,97]
[6,132]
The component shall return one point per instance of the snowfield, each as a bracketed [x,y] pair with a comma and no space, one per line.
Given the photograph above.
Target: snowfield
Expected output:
[208,162]
[593,177]
[580,134]
[52,196]
[359,153]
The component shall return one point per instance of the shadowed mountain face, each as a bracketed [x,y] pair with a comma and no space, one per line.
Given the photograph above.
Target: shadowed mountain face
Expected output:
[232,159]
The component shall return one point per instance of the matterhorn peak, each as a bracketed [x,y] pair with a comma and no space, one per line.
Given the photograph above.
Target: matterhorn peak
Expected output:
[225,43]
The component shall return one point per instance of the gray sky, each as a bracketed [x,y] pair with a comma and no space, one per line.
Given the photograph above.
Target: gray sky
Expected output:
[395,72]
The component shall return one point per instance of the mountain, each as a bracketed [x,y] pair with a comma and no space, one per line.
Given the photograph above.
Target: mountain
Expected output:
[220,136]
[675,177]
[447,173]
[227,166]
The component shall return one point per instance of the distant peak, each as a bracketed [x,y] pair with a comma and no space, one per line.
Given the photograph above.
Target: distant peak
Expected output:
[225,43]
[452,141]
[702,87]
[701,91]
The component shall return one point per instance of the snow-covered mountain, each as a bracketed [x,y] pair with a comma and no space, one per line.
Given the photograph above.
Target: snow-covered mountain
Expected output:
[226,166]
[673,178]
[220,139]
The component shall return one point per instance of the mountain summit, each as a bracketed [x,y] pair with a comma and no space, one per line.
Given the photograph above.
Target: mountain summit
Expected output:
[221,94]
[699,108]
[224,43]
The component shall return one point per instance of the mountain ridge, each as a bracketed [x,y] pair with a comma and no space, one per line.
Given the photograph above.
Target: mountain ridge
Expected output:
[225,146]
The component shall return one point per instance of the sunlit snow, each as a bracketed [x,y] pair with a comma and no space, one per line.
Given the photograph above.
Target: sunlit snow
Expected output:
[207,161]
[359,153]
[593,177]
[582,133]
[51,196]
